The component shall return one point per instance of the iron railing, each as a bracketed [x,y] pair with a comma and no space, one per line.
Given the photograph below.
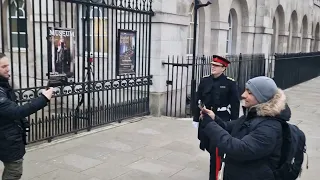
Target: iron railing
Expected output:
[179,70]
[99,94]
[286,69]
[295,68]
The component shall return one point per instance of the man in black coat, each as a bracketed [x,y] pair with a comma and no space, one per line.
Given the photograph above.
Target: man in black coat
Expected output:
[220,94]
[13,123]
[253,142]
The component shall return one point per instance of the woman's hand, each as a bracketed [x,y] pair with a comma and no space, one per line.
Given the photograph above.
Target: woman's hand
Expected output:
[207,111]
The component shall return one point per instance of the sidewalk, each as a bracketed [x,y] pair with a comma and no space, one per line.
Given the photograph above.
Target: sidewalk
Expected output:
[157,148]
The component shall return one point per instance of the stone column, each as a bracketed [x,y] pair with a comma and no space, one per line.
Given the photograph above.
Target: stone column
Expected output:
[283,42]
[317,45]
[306,41]
[262,40]
[169,38]
[312,44]
[295,45]
[247,40]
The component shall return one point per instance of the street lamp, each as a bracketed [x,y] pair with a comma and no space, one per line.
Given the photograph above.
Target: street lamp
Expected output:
[196,6]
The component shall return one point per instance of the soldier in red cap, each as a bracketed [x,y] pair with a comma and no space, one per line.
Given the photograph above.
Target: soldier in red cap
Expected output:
[220,94]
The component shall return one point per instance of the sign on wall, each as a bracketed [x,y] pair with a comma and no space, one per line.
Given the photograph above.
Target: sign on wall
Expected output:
[126,52]
[61,52]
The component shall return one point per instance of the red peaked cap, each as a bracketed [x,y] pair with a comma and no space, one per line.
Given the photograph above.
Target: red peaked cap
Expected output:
[221,60]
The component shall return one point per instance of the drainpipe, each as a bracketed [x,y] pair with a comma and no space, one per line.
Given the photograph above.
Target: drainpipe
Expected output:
[255,24]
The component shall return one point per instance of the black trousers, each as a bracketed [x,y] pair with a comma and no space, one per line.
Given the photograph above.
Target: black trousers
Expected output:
[212,173]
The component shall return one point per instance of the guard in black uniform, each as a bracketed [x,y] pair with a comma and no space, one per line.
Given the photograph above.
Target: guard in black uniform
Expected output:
[220,94]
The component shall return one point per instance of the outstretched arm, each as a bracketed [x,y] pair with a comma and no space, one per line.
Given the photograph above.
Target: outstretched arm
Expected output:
[11,110]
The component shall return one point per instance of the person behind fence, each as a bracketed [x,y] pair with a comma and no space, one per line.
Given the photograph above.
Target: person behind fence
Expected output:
[13,124]
[219,93]
[253,142]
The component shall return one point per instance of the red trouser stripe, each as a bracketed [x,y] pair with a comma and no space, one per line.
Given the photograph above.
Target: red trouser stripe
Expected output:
[218,163]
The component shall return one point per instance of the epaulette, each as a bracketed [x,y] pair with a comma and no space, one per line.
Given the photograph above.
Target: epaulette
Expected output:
[230,78]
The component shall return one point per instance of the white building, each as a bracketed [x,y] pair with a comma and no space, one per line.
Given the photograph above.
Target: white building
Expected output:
[238,26]
[230,27]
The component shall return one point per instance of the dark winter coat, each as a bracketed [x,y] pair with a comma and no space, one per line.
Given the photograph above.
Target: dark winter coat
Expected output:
[252,146]
[12,146]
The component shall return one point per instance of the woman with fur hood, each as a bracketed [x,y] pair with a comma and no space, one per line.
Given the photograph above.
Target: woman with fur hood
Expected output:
[252,143]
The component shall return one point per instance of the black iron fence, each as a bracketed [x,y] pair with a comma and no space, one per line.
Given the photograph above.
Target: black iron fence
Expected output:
[179,70]
[293,69]
[286,69]
[98,95]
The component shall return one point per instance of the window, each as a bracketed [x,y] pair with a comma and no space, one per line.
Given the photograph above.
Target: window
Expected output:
[229,36]
[98,32]
[18,24]
[190,34]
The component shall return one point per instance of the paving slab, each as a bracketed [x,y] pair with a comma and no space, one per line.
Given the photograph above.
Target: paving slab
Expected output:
[157,148]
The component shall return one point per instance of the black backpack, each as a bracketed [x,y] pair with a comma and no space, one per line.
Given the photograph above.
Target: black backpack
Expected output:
[292,153]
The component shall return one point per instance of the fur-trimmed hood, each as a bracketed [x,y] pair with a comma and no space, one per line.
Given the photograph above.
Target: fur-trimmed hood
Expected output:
[276,107]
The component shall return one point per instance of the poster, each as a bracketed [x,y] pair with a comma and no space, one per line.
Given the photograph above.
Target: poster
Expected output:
[126,52]
[61,52]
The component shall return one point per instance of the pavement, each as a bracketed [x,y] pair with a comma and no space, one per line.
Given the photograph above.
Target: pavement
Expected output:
[155,148]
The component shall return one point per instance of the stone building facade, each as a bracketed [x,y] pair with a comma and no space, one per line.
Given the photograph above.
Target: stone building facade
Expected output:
[238,26]
[230,27]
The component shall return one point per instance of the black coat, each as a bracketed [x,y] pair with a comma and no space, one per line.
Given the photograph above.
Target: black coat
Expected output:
[253,142]
[216,93]
[12,146]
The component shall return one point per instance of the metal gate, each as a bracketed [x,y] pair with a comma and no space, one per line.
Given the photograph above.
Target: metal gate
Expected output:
[100,94]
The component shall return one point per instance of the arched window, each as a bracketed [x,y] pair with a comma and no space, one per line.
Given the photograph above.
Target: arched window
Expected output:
[229,36]
[274,37]
[17,23]
[190,38]
[98,32]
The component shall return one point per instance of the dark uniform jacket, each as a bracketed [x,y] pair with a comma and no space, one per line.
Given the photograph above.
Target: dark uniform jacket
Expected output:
[12,147]
[217,93]
[253,142]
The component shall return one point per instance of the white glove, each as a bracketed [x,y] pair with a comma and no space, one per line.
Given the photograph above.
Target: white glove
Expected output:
[195,124]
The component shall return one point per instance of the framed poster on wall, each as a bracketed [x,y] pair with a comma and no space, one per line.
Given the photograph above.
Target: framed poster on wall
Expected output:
[126,52]
[61,53]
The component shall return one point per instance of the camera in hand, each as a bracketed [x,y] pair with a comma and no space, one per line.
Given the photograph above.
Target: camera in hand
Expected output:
[55,81]
[201,104]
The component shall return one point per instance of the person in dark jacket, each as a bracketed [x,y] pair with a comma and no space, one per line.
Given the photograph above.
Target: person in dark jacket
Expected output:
[218,93]
[13,122]
[253,142]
